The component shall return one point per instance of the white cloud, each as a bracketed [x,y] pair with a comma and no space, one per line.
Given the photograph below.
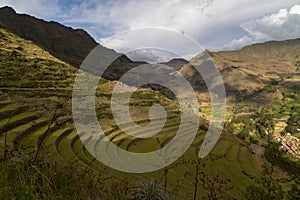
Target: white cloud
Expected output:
[295,9]
[123,15]
[235,44]
[151,55]
[285,24]
[201,19]
[206,21]
[160,44]
[282,25]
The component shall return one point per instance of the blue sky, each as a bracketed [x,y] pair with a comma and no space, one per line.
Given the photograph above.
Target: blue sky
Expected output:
[215,24]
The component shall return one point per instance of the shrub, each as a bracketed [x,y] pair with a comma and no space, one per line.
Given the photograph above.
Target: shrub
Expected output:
[254,139]
[297,63]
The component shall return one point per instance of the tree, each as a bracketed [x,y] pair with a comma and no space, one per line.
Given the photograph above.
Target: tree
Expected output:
[294,192]
[268,187]
[215,185]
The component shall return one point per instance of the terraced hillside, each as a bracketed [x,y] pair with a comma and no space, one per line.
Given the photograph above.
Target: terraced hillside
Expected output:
[36,118]
[25,129]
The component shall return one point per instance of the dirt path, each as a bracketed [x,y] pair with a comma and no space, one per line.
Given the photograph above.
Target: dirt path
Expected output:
[258,152]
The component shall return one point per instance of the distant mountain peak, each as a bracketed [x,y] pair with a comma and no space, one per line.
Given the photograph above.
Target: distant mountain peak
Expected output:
[8,9]
[176,63]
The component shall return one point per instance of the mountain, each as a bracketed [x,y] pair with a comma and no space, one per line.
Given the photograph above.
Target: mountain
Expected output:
[263,57]
[176,63]
[67,44]
[253,67]
[70,45]
[244,71]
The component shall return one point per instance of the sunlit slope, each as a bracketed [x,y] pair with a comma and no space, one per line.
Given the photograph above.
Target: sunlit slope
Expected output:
[248,70]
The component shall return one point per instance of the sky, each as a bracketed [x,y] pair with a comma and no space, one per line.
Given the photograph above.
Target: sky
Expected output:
[214,24]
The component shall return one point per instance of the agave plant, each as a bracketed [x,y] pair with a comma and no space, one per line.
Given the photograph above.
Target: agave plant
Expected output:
[149,191]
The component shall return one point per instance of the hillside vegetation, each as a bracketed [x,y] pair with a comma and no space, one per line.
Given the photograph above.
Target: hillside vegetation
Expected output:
[42,155]
[36,121]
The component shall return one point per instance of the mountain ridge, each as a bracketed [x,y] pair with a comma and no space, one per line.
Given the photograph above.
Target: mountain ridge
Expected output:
[253,67]
[65,43]
[176,63]
[248,69]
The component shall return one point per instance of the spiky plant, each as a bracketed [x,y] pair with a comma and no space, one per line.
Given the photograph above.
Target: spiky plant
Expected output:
[149,191]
